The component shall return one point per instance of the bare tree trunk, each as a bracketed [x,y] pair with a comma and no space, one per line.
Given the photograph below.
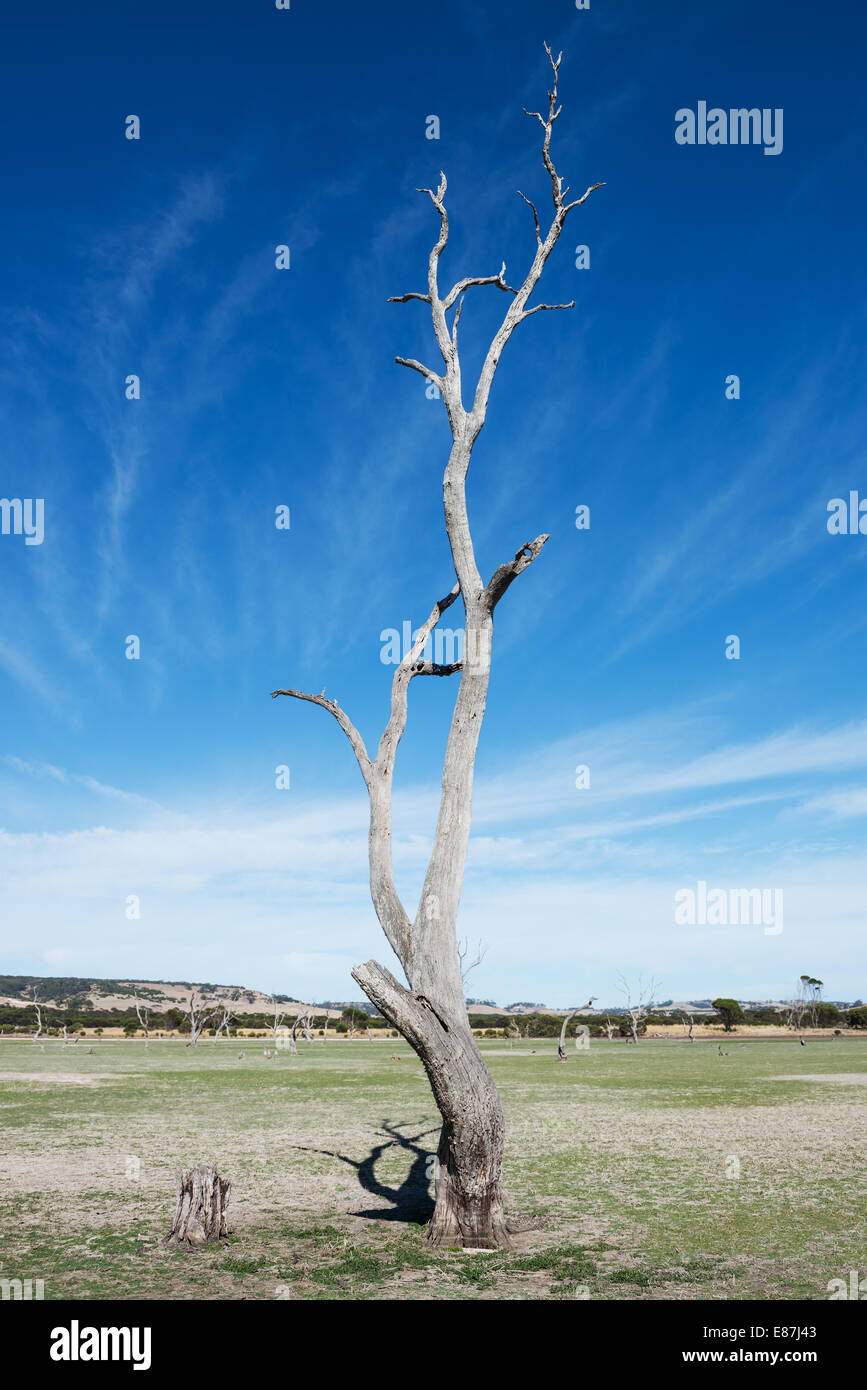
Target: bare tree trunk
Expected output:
[468,1191]
[561,1046]
[278,1019]
[200,1214]
[432,1014]
[143,1015]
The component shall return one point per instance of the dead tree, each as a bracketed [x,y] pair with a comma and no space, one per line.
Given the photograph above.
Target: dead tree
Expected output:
[638,1011]
[200,1214]
[610,1028]
[561,1046]
[278,1018]
[38,1009]
[143,1016]
[302,1021]
[688,1032]
[226,1017]
[807,1003]
[431,1014]
[199,1018]
[467,962]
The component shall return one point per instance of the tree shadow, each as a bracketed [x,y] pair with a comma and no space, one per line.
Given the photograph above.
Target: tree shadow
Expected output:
[411,1201]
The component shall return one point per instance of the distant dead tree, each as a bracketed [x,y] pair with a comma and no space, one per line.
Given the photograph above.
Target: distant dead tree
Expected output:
[279,1016]
[348,1018]
[610,1028]
[431,1012]
[302,1021]
[38,1007]
[467,961]
[226,1018]
[199,1017]
[688,1031]
[143,1016]
[805,1006]
[561,1046]
[637,1011]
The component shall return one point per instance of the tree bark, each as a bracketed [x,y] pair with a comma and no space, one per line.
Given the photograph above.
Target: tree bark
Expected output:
[561,1046]
[468,1206]
[200,1214]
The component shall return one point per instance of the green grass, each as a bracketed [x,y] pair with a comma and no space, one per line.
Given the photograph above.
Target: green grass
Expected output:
[663,1171]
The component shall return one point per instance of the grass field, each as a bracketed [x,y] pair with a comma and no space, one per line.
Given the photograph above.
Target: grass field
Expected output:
[662,1171]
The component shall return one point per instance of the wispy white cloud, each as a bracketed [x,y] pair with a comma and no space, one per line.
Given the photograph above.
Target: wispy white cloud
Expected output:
[73,779]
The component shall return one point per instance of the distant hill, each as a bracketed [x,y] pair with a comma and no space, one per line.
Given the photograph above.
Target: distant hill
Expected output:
[85,993]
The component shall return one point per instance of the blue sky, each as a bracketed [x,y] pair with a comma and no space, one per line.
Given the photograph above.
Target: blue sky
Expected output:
[262,387]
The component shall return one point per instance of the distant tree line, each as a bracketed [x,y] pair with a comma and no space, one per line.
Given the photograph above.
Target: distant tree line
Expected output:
[23,1020]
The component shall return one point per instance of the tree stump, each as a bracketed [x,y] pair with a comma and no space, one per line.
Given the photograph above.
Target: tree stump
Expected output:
[200,1215]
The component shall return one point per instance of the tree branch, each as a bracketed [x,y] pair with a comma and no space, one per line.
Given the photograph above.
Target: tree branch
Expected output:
[584,196]
[535,216]
[528,313]
[505,574]
[425,371]
[547,126]
[343,720]
[444,342]
[517,311]
[410,666]
[471,280]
